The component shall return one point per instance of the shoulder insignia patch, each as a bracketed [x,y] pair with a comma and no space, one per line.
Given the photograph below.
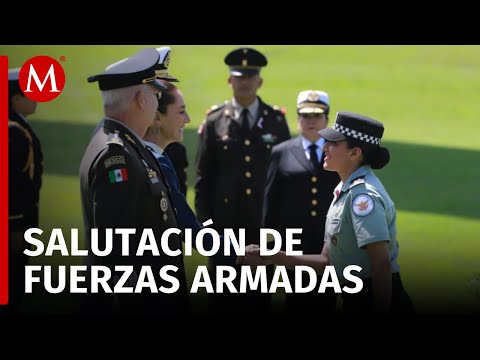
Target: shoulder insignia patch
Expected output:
[362,205]
[115,139]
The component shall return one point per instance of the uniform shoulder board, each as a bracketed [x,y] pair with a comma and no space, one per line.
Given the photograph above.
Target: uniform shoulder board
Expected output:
[115,139]
[357,181]
[214,108]
[282,110]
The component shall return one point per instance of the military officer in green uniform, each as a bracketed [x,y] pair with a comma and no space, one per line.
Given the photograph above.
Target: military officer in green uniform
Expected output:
[235,143]
[122,186]
[361,221]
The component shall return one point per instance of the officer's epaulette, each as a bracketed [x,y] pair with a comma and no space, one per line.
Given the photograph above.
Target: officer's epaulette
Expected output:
[214,108]
[115,139]
[357,181]
[282,110]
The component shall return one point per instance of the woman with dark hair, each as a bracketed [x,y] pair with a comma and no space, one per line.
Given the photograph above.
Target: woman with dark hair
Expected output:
[360,227]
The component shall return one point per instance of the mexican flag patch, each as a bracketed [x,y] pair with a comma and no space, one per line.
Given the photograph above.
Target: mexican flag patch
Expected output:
[118,175]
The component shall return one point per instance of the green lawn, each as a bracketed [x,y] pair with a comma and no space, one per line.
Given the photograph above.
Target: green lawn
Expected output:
[427,97]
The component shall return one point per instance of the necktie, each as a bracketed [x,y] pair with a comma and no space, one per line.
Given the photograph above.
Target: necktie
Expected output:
[313,155]
[245,122]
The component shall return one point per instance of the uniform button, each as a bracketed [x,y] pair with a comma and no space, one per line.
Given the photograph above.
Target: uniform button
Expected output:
[314,213]
[248,191]
[247,158]
[225,200]
[268,146]
[314,190]
[248,174]
[247,142]
[225,147]
[314,202]
[314,179]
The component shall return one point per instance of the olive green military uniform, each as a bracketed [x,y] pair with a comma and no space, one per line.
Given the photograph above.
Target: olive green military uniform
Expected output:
[232,167]
[362,213]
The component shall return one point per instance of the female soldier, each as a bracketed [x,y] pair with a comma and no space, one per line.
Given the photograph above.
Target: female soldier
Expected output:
[361,222]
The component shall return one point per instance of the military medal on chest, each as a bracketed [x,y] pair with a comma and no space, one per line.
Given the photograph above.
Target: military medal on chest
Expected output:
[152,174]
[164,206]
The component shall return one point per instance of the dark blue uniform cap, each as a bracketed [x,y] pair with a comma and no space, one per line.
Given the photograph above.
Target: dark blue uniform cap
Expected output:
[135,70]
[245,62]
[355,126]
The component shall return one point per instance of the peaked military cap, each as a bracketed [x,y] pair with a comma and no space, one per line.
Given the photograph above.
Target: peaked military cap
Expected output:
[245,61]
[137,69]
[355,126]
[313,101]
[161,70]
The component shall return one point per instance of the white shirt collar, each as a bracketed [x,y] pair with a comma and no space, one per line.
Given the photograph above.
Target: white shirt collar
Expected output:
[306,143]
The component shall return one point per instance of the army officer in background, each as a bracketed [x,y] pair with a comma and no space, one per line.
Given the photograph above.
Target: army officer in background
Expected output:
[235,142]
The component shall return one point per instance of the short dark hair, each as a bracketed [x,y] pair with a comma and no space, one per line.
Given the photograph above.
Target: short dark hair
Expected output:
[167,96]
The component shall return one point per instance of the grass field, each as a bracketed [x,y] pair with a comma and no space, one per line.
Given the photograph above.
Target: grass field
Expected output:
[427,97]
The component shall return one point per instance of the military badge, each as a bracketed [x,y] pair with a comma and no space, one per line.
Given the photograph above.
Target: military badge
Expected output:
[268,138]
[152,175]
[164,204]
[313,97]
[166,62]
[362,205]
[333,238]
[114,160]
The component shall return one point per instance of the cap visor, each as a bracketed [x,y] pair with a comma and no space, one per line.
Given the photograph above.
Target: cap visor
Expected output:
[311,110]
[244,72]
[167,77]
[332,135]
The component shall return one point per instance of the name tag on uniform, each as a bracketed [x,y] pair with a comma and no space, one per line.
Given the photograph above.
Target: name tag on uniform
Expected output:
[335,221]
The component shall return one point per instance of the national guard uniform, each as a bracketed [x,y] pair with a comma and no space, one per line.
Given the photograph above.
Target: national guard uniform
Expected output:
[122,186]
[298,194]
[362,213]
[25,169]
[232,160]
